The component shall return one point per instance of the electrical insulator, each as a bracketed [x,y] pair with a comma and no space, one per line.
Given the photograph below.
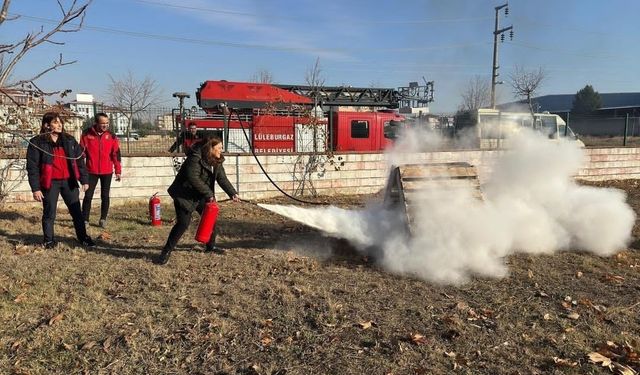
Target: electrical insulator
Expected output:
[506,11]
[502,38]
[511,35]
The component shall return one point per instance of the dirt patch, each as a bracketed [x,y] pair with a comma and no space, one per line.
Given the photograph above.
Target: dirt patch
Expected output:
[287,300]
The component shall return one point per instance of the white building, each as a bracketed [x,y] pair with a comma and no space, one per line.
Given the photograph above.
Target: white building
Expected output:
[84,105]
[118,122]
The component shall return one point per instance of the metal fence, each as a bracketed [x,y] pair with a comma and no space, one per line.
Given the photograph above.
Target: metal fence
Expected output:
[606,131]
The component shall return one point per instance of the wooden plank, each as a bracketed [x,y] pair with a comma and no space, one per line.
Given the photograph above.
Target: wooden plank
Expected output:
[439,184]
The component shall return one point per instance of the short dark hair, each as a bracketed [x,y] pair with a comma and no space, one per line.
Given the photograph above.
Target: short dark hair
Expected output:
[100,114]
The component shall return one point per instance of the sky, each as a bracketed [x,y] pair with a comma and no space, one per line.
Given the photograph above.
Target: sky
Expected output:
[360,43]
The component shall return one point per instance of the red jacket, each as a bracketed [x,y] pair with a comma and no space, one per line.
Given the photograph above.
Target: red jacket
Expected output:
[102,152]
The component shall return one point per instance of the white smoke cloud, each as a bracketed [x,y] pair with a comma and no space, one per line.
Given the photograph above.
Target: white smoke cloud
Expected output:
[531,204]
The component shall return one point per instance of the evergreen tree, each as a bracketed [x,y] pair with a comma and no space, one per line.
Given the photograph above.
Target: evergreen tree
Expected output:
[586,101]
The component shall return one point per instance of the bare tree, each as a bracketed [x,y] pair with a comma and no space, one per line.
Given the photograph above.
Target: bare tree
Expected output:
[526,82]
[477,94]
[313,162]
[17,119]
[314,77]
[262,76]
[132,97]
[13,52]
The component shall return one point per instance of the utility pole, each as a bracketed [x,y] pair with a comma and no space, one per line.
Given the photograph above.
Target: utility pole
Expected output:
[181,96]
[496,32]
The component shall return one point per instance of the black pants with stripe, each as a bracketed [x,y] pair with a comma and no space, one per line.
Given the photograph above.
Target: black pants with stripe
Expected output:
[105,187]
[71,197]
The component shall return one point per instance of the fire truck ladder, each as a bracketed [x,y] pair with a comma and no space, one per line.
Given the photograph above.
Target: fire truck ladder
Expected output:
[347,96]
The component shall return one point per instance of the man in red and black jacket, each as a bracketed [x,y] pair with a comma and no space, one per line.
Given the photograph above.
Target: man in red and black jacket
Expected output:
[102,152]
[186,139]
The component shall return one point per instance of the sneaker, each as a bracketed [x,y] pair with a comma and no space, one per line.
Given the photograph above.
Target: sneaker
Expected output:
[49,244]
[103,223]
[214,249]
[163,258]
[88,242]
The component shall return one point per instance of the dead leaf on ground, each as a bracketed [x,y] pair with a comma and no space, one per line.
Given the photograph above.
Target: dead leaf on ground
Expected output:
[573,316]
[462,306]
[546,316]
[88,345]
[564,362]
[21,249]
[68,346]
[105,236]
[613,278]
[56,319]
[366,325]
[20,298]
[266,340]
[579,274]
[542,294]
[596,357]
[418,339]
[530,274]
[106,344]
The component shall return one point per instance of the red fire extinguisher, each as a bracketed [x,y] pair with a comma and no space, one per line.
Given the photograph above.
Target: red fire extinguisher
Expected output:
[207,222]
[154,210]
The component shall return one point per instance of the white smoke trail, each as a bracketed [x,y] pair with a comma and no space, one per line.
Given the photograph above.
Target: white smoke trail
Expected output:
[532,204]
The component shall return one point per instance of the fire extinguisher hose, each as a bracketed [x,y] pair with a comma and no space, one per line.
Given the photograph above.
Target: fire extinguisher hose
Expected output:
[265,172]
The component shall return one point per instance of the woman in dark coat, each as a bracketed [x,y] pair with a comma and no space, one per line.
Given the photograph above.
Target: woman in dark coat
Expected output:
[54,167]
[193,187]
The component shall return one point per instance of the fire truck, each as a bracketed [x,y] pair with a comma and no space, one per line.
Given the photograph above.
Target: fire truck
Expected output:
[270,118]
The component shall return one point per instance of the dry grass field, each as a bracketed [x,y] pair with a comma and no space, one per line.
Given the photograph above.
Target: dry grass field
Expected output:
[286,300]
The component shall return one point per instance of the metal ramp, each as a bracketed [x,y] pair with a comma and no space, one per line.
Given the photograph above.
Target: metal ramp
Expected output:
[409,185]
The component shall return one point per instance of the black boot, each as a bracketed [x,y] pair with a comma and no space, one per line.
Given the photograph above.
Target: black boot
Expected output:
[210,248]
[163,258]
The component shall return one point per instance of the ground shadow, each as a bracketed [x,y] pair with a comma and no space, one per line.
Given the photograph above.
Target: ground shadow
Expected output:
[13,216]
[26,239]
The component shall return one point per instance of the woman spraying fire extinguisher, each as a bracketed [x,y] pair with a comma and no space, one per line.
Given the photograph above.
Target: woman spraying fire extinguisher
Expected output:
[193,187]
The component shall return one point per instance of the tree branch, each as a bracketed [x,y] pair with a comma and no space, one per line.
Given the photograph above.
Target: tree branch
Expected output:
[32,40]
[4,10]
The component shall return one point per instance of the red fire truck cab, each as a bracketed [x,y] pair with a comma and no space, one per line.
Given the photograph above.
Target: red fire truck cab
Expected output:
[364,131]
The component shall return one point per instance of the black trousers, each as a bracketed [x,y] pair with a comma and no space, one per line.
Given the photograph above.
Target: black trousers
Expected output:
[105,187]
[71,197]
[183,219]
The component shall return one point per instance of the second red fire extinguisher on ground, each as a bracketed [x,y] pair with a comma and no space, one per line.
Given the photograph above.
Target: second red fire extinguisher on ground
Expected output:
[154,210]
[207,222]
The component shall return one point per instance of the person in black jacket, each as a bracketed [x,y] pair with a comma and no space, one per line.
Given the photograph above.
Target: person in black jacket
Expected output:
[186,139]
[54,167]
[193,187]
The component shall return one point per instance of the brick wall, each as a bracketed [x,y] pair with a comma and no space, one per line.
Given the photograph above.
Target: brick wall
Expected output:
[359,174]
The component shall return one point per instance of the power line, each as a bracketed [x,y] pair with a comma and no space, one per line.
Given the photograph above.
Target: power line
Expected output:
[303,19]
[247,45]
[578,54]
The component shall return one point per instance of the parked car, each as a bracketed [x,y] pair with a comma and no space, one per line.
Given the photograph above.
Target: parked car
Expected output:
[133,136]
